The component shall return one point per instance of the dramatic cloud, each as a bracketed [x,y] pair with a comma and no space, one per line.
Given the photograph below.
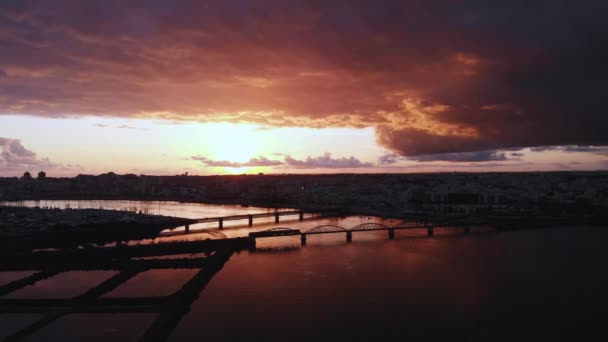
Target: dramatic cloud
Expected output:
[16,158]
[479,156]
[594,149]
[326,161]
[572,148]
[389,158]
[121,126]
[321,162]
[259,161]
[433,77]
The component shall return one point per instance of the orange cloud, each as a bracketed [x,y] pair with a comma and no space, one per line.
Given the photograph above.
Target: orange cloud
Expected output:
[431,77]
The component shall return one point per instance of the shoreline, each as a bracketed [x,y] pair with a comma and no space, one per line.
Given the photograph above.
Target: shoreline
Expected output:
[32,228]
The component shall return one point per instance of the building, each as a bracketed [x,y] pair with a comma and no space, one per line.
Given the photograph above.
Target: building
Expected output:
[463,199]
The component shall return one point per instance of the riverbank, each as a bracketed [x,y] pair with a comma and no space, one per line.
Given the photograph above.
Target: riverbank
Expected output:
[358,210]
[31,228]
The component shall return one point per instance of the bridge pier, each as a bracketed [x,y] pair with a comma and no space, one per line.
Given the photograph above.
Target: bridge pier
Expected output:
[187,228]
[276,217]
[221,221]
[303,239]
[301,215]
[250,220]
[391,234]
[430,231]
[349,236]
[252,244]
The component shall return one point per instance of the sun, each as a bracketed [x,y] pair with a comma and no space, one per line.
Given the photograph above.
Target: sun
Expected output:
[235,143]
[237,170]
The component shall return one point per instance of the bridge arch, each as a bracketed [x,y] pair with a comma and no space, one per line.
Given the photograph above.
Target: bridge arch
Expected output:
[278,229]
[326,228]
[408,224]
[369,226]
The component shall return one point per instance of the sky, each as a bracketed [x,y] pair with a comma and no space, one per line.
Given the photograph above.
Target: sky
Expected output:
[286,86]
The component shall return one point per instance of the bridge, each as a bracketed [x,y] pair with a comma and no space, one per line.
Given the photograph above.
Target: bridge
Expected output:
[463,222]
[250,217]
[131,260]
[280,231]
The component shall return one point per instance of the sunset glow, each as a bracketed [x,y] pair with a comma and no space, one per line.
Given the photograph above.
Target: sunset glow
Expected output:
[141,92]
[286,170]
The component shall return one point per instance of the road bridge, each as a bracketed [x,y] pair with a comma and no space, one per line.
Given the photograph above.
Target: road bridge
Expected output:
[275,214]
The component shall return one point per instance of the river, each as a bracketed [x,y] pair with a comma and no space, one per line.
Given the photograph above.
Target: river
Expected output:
[526,285]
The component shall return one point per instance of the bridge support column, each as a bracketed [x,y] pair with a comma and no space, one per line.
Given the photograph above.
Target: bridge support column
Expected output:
[349,236]
[430,231]
[252,246]
[250,220]
[391,234]
[303,239]
[467,229]
[301,215]
[276,217]
[187,228]
[221,223]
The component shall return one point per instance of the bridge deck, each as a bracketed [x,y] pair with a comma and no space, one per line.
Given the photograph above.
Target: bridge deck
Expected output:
[275,233]
[246,216]
[260,215]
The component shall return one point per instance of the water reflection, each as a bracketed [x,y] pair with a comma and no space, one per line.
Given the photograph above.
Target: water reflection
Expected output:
[167,208]
[96,327]
[118,288]
[457,288]
[544,284]
[66,284]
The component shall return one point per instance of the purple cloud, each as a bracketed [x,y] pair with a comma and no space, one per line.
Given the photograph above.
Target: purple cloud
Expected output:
[432,77]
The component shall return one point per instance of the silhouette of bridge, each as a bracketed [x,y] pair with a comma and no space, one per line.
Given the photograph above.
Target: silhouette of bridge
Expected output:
[128,261]
[430,223]
[250,217]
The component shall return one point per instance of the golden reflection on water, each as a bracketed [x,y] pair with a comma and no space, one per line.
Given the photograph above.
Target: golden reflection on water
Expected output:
[153,283]
[167,208]
[369,287]
[63,285]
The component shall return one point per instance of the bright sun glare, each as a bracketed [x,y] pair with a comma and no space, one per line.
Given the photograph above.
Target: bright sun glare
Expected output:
[234,143]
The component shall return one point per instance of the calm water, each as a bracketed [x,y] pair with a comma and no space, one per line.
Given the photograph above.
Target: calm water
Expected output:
[168,208]
[528,285]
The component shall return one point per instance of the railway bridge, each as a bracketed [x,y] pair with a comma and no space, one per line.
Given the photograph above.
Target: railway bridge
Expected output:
[461,222]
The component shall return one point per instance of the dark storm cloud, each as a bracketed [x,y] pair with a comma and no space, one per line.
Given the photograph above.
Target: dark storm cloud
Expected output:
[433,77]
[389,158]
[478,156]
[572,148]
[595,149]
